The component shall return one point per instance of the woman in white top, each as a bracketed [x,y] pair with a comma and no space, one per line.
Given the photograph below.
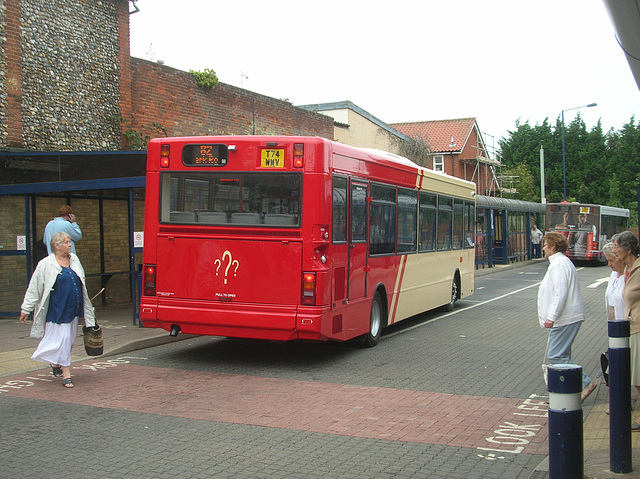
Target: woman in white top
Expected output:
[560,306]
[57,296]
[613,299]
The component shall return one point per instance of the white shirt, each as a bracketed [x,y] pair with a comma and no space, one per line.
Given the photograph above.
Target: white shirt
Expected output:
[536,236]
[559,297]
[613,295]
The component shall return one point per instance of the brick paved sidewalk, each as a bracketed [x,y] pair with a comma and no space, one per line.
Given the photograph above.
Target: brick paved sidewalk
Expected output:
[119,333]
[122,336]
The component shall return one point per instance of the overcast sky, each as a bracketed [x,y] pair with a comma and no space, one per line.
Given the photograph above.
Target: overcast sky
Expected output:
[495,60]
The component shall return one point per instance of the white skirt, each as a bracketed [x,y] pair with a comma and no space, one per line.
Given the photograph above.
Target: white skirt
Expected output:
[55,346]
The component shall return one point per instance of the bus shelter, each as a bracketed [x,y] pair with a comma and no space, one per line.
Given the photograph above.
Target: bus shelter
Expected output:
[503,230]
[106,192]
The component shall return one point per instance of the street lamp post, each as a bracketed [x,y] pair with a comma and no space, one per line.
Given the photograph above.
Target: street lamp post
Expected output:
[543,196]
[564,161]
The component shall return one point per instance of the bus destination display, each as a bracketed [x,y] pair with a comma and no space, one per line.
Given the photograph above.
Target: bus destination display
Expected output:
[205,155]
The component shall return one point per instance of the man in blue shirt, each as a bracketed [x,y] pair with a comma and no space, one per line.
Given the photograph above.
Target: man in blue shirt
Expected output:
[64,222]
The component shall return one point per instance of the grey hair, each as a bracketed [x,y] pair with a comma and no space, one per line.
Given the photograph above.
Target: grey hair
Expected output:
[58,238]
[607,249]
[628,241]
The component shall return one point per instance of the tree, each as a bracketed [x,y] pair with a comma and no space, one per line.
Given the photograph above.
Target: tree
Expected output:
[523,149]
[624,161]
[523,182]
[615,195]
[601,168]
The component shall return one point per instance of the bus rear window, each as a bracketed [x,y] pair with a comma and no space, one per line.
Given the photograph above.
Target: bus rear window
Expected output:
[241,199]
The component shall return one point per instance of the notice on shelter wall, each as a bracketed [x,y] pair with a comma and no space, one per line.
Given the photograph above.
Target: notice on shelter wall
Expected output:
[21,243]
[138,239]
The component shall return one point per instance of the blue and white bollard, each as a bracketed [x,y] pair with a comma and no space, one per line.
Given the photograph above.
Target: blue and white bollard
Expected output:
[566,450]
[619,397]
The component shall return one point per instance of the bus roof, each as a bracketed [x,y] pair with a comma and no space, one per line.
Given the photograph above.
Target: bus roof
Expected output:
[381,156]
[605,210]
[376,155]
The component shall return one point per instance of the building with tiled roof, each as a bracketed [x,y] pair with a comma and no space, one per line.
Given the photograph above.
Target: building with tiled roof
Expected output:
[457,148]
[355,126]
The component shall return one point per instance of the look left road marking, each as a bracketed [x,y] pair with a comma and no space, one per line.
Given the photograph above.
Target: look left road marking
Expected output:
[516,436]
[30,380]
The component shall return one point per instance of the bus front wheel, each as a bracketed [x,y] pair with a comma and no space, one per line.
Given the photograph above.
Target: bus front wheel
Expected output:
[376,321]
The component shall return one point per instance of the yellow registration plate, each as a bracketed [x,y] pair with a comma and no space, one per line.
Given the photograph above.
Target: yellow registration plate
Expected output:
[272,159]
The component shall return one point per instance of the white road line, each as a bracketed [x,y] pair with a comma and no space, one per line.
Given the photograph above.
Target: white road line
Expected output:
[598,282]
[456,311]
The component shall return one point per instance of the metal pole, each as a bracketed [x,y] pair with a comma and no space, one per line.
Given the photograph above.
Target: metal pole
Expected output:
[619,397]
[564,164]
[543,198]
[638,199]
[566,453]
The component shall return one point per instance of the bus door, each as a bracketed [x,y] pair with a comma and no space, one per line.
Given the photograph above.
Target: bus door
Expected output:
[357,274]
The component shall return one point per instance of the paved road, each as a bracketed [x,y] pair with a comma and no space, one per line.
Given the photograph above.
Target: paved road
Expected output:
[450,395]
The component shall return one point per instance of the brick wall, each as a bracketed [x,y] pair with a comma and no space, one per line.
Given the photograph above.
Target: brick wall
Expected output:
[11,117]
[171,97]
[60,65]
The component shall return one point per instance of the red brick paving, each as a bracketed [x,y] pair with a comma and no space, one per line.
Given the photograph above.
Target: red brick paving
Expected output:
[358,411]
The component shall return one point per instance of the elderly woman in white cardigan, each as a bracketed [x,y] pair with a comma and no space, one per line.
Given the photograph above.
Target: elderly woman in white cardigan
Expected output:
[57,295]
[560,306]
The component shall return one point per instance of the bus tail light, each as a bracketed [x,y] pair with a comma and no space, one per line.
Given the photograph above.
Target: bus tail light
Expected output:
[309,288]
[298,155]
[149,279]
[164,156]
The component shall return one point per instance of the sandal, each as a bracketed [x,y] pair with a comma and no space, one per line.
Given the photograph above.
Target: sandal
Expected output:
[56,371]
[67,383]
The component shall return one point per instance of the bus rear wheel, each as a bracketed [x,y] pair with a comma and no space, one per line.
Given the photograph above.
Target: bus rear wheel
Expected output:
[454,296]
[376,321]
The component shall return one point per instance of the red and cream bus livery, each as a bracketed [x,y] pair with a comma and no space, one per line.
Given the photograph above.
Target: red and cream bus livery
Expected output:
[287,238]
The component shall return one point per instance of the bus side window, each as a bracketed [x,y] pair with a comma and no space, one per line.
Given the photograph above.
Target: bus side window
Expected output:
[458,224]
[382,233]
[444,222]
[358,210]
[407,220]
[427,221]
[339,209]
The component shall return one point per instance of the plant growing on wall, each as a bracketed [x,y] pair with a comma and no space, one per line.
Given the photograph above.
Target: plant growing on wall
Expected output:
[138,139]
[206,78]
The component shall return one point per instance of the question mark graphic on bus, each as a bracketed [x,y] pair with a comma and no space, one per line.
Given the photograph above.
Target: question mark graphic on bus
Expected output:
[235,263]
[231,262]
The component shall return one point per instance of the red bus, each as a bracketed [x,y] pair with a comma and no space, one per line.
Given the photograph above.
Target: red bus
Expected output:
[289,238]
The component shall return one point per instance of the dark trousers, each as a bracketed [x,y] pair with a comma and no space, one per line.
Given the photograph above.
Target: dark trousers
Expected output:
[535,250]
